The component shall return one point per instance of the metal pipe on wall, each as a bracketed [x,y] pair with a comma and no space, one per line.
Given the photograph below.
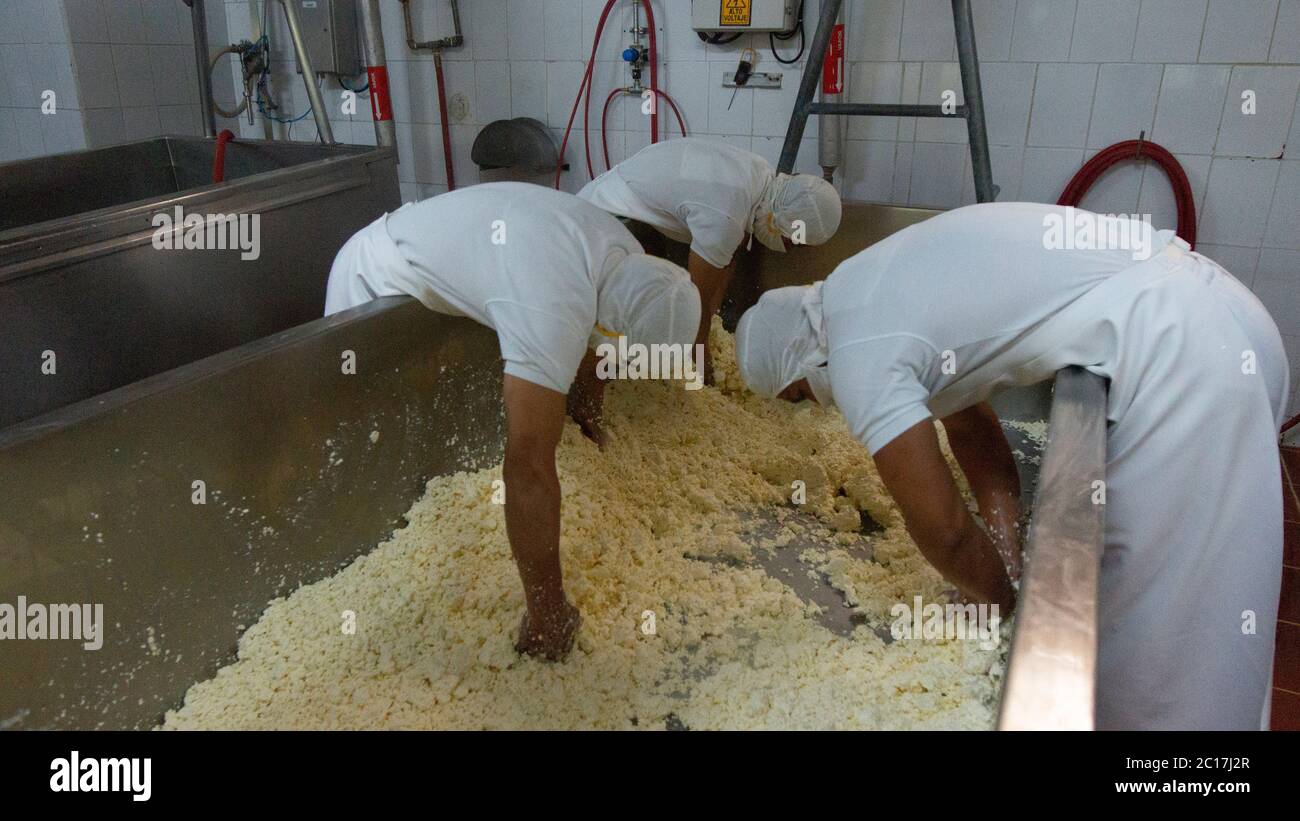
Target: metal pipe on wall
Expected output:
[308,74]
[199,21]
[830,127]
[437,46]
[381,104]
[808,85]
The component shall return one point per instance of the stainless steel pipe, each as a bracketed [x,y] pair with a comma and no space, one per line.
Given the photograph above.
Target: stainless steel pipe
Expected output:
[372,36]
[308,74]
[202,60]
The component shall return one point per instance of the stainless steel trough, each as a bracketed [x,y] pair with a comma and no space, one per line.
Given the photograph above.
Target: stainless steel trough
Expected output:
[84,289]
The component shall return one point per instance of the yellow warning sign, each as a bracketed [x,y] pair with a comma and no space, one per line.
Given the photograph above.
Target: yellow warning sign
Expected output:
[736,12]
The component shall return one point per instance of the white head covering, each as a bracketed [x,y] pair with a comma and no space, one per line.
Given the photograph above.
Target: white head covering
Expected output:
[782,340]
[649,300]
[801,197]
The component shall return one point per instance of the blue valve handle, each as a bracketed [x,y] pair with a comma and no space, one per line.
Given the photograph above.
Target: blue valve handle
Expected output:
[631,54]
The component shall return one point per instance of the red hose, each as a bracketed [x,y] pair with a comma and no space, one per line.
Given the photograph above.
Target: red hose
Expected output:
[585,99]
[1105,159]
[219,155]
[604,119]
[654,68]
[446,127]
[680,122]
[586,78]
[654,84]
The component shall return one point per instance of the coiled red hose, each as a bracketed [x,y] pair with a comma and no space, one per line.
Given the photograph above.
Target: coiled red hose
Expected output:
[219,155]
[604,119]
[585,86]
[1107,158]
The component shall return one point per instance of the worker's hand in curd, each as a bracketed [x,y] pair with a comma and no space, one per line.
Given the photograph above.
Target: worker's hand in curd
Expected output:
[980,446]
[534,422]
[586,401]
[549,633]
[712,283]
[917,475]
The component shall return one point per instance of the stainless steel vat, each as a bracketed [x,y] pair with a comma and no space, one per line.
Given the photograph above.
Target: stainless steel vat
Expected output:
[97,499]
[81,278]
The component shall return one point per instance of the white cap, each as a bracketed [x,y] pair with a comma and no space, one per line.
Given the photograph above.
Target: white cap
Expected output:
[776,345]
[812,200]
[799,198]
[649,300]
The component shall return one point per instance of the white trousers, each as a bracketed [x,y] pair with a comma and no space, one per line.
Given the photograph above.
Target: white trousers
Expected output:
[1191,572]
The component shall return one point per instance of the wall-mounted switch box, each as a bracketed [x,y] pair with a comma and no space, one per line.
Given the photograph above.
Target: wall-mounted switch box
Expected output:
[329,31]
[744,15]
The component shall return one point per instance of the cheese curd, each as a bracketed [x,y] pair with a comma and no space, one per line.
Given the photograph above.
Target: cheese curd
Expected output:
[680,626]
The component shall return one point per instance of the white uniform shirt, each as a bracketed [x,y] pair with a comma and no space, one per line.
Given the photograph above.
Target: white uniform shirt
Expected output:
[935,318]
[524,260]
[691,190]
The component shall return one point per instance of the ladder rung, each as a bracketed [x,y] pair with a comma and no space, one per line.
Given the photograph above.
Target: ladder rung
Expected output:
[886,110]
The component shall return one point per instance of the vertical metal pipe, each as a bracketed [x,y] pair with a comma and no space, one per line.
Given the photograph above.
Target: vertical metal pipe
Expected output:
[381,106]
[308,74]
[976,128]
[436,47]
[812,74]
[455,18]
[830,127]
[199,21]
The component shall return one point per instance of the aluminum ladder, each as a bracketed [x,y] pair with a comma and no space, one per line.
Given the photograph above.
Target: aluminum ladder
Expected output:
[972,109]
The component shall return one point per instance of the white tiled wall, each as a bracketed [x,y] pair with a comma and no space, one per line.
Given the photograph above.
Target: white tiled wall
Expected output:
[36,57]
[1063,79]
[122,70]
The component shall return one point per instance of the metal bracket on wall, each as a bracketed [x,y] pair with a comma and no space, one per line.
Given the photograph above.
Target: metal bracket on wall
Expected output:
[759,79]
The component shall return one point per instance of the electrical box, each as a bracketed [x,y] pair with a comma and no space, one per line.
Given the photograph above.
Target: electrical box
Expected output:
[744,15]
[329,31]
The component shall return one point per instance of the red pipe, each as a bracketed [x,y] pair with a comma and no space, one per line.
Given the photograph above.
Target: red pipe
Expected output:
[586,78]
[219,156]
[1105,159]
[446,126]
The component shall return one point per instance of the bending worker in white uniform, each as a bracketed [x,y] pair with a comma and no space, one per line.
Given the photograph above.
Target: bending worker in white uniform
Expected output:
[930,322]
[711,195]
[544,270]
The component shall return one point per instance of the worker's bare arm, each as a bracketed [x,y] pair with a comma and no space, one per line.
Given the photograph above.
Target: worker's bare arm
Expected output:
[712,283]
[534,421]
[917,476]
[586,403]
[976,438]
